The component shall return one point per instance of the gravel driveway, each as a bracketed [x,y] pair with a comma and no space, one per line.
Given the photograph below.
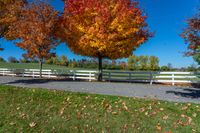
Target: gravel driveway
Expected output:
[169,93]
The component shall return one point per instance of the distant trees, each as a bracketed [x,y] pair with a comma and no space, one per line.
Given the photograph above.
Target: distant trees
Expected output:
[56,60]
[164,68]
[2,59]
[143,63]
[133,62]
[12,59]
[153,63]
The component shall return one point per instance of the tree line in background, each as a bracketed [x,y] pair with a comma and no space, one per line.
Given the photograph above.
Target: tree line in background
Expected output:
[134,63]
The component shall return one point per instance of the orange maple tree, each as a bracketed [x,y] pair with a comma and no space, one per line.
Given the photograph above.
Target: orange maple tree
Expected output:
[103,28]
[35,30]
[9,10]
[191,35]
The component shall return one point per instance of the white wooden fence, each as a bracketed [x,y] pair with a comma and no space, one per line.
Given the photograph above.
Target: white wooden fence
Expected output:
[124,76]
[27,73]
[176,77]
[153,77]
[83,74]
[73,74]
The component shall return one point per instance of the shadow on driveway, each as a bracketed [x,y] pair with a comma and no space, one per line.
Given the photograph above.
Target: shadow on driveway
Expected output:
[39,81]
[193,93]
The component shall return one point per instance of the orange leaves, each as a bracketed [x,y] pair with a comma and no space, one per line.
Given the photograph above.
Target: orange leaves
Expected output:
[191,35]
[36,27]
[109,28]
[158,127]
[9,12]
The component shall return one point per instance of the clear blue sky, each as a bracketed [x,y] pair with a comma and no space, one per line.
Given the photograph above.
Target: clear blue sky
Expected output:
[165,17]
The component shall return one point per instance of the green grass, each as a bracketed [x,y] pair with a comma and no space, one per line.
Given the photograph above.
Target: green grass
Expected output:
[31,66]
[38,110]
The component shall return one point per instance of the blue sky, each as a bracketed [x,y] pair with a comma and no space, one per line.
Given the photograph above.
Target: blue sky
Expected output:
[165,17]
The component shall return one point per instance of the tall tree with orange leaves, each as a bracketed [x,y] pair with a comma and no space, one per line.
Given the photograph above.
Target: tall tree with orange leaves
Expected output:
[191,35]
[103,28]
[35,30]
[9,9]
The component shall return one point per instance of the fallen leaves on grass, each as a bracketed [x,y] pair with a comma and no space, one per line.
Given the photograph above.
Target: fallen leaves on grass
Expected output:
[187,122]
[194,114]
[165,117]
[62,111]
[114,113]
[124,106]
[184,108]
[158,127]
[161,109]
[142,109]
[33,124]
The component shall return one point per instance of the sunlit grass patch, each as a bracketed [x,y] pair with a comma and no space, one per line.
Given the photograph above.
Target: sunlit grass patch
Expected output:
[39,110]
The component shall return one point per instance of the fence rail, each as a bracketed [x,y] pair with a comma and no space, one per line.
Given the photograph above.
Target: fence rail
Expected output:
[153,77]
[27,73]
[83,74]
[124,76]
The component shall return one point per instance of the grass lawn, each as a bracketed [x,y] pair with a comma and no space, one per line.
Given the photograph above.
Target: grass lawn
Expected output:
[39,110]
[32,66]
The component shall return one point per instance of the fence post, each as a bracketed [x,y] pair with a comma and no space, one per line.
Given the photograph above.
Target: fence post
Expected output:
[74,75]
[130,77]
[13,73]
[109,78]
[151,78]
[173,83]
[49,74]
[90,76]
[33,74]
[3,72]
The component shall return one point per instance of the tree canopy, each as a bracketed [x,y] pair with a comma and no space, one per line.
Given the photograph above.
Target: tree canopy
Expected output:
[35,29]
[103,28]
[191,35]
[9,10]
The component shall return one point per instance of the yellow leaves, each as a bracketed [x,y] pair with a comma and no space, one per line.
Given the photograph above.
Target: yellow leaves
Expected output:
[158,127]
[114,113]
[161,109]
[124,106]
[165,117]
[194,114]
[32,124]
[62,111]
[110,30]
[184,108]
[78,115]
[80,28]
[185,121]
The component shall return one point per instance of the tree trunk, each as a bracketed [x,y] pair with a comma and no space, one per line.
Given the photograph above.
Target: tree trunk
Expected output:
[41,63]
[100,69]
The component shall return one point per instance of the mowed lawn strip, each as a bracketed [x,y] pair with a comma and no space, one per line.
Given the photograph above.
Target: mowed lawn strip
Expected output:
[39,110]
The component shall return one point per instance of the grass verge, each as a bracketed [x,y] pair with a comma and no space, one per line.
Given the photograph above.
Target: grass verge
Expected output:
[39,110]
